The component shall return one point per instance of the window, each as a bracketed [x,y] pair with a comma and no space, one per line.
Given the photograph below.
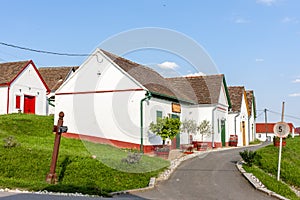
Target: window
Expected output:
[18,102]
[158,114]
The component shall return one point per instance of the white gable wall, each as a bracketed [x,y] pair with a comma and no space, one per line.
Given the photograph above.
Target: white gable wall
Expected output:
[3,100]
[252,128]
[100,100]
[28,83]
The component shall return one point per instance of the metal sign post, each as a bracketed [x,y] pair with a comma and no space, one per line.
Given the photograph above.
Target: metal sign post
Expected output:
[281,129]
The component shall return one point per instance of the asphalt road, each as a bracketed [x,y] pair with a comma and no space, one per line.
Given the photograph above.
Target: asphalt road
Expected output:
[209,176]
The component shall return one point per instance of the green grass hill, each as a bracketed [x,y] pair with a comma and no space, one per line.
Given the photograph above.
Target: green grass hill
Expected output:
[26,145]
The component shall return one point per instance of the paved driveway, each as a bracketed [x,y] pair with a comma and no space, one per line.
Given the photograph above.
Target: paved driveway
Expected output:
[208,176]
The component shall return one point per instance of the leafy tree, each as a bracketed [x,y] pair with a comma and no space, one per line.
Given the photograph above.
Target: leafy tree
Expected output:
[166,128]
[204,128]
[189,126]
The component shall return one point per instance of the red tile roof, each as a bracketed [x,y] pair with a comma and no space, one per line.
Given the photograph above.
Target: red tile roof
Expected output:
[200,89]
[55,76]
[196,90]
[236,96]
[10,70]
[149,78]
[262,128]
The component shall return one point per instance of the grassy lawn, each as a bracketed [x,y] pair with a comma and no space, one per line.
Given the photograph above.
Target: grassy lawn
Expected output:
[267,162]
[26,165]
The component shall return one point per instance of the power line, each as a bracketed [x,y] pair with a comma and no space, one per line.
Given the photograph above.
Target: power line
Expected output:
[289,116]
[42,51]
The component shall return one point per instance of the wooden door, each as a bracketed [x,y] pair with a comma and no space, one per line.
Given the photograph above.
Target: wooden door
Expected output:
[29,104]
[223,133]
[244,133]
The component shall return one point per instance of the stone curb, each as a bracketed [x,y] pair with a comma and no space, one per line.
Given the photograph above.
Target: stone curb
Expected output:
[255,182]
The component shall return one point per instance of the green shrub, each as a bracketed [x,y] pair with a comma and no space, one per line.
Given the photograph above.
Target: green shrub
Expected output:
[10,142]
[248,157]
[132,158]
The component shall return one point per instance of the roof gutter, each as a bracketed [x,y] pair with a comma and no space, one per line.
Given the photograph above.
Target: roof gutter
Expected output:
[148,97]
[171,97]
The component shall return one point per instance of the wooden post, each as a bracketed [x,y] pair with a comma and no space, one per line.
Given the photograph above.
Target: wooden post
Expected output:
[52,177]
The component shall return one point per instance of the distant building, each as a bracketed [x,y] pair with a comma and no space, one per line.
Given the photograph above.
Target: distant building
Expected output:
[264,131]
[239,115]
[54,77]
[22,89]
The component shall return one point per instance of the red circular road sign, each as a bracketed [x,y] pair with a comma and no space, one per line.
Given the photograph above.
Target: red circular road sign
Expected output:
[281,129]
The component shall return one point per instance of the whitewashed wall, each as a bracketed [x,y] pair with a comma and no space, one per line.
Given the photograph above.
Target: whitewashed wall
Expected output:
[28,83]
[3,100]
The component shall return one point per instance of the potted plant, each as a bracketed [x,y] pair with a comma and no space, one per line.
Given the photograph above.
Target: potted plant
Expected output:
[189,149]
[165,128]
[204,129]
[162,151]
[189,127]
[276,141]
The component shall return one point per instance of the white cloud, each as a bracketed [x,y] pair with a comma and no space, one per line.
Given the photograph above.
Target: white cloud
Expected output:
[168,65]
[289,20]
[296,80]
[259,60]
[266,2]
[294,95]
[195,74]
[241,21]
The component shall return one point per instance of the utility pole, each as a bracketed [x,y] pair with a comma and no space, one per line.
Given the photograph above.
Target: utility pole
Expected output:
[266,124]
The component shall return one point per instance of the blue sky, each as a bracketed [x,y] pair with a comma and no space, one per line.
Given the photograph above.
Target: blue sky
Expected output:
[255,43]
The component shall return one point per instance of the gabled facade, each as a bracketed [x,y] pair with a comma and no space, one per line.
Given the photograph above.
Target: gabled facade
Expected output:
[252,114]
[22,89]
[239,116]
[54,77]
[112,100]
[211,102]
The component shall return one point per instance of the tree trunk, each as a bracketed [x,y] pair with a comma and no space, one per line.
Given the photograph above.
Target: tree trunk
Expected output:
[164,141]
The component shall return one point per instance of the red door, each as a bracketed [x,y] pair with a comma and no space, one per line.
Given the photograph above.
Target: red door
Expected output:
[29,104]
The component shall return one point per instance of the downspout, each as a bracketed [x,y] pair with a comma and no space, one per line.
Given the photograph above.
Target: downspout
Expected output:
[148,97]
[8,90]
[213,128]
[249,129]
[235,123]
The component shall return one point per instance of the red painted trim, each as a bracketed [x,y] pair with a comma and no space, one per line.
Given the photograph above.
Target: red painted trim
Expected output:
[4,84]
[8,88]
[36,70]
[40,76]
[116,143]
[220,108]
[101,91]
